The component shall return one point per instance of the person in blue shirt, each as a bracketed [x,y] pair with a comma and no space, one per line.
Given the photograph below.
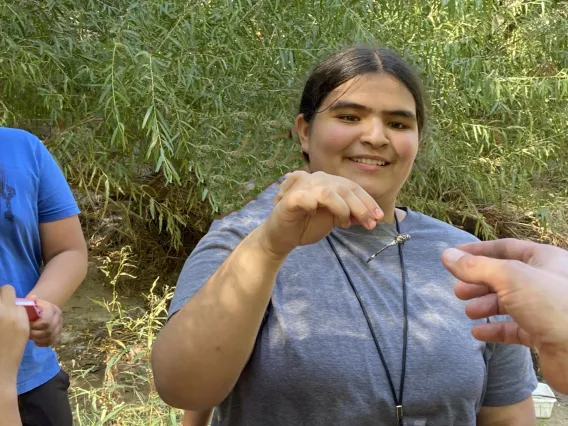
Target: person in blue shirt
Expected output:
[43,255]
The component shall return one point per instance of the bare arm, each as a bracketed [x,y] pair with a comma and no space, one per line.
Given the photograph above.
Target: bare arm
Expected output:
[9,405]
[519,414]
[65,258]
[199,355]
[197,418]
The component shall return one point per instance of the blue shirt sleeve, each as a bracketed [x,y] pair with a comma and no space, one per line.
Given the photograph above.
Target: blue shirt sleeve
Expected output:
[55,199]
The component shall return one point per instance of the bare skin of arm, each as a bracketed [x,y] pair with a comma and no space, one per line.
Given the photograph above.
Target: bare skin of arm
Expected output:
[197,418]
[519,414]
[216,330]
[9,405]
[65,258]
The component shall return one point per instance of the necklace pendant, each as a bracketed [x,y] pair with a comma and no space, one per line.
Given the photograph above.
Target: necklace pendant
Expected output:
[399,239]
[399,413]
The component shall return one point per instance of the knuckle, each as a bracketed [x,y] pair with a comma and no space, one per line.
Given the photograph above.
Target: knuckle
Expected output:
[469,262]
[342,191]
[297,198]
[289,201]
[353,186]
[364,213]
[326,192]
[514,265]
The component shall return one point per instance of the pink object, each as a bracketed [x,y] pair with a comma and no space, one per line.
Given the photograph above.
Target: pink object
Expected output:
[31,308]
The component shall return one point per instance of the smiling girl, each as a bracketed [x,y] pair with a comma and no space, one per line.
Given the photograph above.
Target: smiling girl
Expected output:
[279,319]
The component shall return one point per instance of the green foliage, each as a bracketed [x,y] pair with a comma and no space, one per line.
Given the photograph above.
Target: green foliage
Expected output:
[179,110]
[126,395]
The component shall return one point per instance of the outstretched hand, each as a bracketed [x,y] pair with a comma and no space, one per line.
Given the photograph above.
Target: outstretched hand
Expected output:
[528,282]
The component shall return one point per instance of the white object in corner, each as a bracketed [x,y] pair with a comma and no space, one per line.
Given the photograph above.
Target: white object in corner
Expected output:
[544,399]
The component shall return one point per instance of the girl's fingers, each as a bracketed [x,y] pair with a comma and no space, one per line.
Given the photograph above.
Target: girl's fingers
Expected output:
[369,202]
[332,201]
[358,209]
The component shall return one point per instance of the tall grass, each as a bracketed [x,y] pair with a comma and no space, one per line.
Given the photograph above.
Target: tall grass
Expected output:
[126,394]
[165,113]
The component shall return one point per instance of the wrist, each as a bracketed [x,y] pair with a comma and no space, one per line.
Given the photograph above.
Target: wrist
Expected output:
[258,238]
[559,348]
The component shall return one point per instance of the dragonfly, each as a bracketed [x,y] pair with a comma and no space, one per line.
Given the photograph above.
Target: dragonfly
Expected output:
[397,238]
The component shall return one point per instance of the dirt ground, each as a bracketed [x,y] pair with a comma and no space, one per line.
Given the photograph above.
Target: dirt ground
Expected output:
[85,326]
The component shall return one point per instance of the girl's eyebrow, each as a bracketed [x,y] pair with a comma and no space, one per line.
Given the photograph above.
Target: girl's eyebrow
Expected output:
[349,105]
[402,113]
[340,104]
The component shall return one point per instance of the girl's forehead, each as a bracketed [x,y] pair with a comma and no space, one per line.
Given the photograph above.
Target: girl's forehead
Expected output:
[372,90]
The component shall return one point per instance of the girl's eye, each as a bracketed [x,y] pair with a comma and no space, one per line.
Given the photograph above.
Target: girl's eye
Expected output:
[398,125]
[348,118]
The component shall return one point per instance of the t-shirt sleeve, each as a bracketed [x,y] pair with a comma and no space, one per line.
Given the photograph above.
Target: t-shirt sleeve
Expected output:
[510,375]
[205,259]
[55,199]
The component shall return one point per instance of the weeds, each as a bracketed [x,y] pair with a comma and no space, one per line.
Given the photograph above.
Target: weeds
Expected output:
[126,394]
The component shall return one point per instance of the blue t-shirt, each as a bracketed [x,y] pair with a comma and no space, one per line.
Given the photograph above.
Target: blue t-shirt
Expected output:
[32,191]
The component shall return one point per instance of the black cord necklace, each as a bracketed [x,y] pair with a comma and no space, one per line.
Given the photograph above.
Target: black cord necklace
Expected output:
[397,399]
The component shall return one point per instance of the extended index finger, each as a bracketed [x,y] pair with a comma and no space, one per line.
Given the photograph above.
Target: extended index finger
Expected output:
[369,202]
[497,274]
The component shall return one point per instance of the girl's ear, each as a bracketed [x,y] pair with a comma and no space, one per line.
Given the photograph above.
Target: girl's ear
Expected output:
[303,131]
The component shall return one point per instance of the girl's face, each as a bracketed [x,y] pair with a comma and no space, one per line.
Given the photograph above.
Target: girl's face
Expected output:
[366,131]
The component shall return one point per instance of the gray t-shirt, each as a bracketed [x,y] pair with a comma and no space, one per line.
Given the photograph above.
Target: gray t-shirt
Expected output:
[315,362]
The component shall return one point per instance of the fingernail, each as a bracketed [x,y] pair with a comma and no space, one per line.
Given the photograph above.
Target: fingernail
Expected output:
[371,223]
[452,255]
[378,213]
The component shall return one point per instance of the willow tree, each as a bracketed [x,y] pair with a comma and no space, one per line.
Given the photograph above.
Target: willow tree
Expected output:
[165,113]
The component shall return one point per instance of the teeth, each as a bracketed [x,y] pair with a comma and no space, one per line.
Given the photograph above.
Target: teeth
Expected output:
[369,161]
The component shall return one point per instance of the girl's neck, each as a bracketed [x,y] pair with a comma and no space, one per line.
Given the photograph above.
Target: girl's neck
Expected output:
[389,213]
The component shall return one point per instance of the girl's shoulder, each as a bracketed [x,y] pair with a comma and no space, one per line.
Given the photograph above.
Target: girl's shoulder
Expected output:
[252,214]
[422,224]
